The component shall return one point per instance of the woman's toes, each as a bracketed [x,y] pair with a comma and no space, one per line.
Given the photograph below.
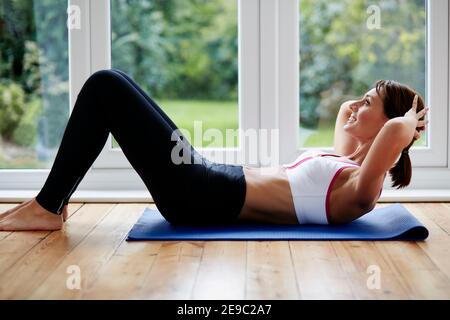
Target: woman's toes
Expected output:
[5,226]
[14,209]
[5,214]
[27,218]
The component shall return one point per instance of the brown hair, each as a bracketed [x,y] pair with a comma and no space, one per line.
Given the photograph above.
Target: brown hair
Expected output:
[397,100]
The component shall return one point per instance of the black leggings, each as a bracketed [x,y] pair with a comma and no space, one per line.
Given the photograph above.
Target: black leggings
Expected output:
[195,191]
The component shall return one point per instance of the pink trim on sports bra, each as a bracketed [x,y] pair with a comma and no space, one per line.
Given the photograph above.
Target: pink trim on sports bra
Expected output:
[335,155]
[298,163]
[320,155]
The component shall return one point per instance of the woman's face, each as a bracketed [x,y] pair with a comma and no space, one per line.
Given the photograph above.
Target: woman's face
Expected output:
[369,115]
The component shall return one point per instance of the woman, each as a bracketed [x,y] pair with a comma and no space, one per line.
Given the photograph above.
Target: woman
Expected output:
[203,192]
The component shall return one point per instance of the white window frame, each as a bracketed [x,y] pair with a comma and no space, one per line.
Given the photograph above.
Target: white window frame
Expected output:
[268,98]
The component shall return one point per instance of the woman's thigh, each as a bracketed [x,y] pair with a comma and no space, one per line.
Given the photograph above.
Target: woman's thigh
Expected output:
[186,187]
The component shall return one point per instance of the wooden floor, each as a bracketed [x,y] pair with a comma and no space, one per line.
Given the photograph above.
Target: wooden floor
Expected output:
[42,265]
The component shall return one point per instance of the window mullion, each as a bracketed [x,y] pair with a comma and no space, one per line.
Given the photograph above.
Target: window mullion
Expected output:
[79,54]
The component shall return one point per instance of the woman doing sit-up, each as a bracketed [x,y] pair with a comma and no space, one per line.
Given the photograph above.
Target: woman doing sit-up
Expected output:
[319,188]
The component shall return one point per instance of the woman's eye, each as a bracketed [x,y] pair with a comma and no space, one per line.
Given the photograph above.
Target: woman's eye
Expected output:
[366,101]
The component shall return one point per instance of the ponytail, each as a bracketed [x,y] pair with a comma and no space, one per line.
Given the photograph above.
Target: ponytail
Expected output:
[402,171]
[397,100]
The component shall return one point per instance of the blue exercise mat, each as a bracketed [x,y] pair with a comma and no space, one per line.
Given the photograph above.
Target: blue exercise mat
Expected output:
[387,223]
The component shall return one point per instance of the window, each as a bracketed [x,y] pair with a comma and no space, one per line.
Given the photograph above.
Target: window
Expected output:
[282,72]
[34,86]
[328,70]
[345,47]
[195,58]
[184,55]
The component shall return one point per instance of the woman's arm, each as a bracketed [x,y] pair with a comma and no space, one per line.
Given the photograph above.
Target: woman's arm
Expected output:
[396,134]
[410,123]
[406,129]
[383,154]
[344,144]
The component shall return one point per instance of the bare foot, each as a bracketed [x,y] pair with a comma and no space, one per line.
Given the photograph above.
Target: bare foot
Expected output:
[31,217]
[65,212]
[14,209]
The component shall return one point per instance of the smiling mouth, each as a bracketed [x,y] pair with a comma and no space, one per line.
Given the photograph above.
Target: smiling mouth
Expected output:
[351,119]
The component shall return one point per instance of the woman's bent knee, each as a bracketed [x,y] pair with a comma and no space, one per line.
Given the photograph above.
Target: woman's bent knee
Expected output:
[103,79]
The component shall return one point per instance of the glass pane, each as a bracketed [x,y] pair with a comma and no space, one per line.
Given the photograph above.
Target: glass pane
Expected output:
[345,47]
[184,55]
[34,87]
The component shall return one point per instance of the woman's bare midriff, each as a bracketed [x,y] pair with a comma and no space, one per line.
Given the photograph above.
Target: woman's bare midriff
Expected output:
[269,198]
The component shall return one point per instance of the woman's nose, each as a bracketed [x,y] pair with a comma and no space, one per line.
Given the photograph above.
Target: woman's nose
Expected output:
[354,106]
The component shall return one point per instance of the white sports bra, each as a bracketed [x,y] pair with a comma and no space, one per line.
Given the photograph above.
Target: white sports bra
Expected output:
[311,178]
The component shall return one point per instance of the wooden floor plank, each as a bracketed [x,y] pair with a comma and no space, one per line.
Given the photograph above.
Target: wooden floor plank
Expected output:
[424,279]
[423,215]
[319,272]
[221,274]
[173,273]
[17,244]
[439,213]
[125,272]
[31,270]
[437,245]
[270,271]
[90,255]
[123,275]
[423,265]
[360,259]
